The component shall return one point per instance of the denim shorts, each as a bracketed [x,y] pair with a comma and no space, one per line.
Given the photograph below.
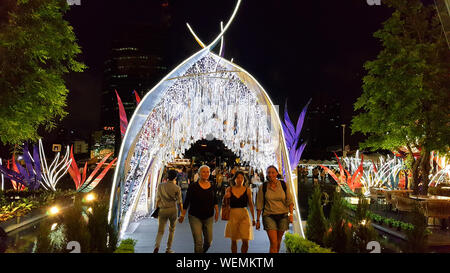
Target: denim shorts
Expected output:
[280,223]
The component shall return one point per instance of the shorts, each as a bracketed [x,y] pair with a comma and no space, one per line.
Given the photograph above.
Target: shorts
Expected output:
[272,223]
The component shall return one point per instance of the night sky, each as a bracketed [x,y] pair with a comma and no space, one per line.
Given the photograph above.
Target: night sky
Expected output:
[296,49]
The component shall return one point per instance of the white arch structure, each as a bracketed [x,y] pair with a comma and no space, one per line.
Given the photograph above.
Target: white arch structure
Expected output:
[205,94]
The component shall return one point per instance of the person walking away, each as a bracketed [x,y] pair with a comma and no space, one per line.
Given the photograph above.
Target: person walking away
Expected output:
[196,176]
[275,201]
[315,176]
[239,226]
[202,203]
[183,181]
[256,182]
[167,198]
[322,175]
[219,180]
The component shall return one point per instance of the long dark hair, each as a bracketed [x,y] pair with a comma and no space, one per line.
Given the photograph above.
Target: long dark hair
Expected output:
[272,166]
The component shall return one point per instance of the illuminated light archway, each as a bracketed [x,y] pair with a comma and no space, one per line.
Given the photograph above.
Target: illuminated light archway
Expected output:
[204,95]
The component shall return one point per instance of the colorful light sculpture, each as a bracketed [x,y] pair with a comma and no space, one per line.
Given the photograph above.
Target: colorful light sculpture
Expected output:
[346,181]
[440,172]
[57,169]
[122,116]
[395,166]
[204,95]
[81,183]
[292,135]
[3,178]
[368,178]
[28,176]
[138,99]
[376,175]
[12,173]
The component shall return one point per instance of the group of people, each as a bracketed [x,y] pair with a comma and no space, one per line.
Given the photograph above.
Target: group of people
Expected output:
[274,203]
[318,174]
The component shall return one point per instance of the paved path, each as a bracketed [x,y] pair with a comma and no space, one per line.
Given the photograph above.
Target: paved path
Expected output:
[145,232]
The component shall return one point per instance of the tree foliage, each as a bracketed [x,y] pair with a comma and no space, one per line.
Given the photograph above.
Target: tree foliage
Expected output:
[417,238]
[338,238]
[406,91]
[316,222]
[37,47]
[362,230]
[87,226]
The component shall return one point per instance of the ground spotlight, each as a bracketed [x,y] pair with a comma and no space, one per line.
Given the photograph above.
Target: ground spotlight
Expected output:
[53,211]
[90,197]
[54,226]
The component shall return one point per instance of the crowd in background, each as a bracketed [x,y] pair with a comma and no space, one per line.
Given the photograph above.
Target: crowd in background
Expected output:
[220,176]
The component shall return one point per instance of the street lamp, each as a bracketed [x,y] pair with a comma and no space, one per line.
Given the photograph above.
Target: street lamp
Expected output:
[343,139]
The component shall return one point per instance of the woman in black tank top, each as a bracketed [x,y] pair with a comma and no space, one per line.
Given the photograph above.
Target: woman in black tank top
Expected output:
[240,202]
[239,226]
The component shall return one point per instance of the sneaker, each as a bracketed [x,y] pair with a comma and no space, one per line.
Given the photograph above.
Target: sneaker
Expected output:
[170,251]
[156,250]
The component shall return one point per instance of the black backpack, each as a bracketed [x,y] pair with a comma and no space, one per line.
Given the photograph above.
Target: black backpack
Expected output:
[182,181]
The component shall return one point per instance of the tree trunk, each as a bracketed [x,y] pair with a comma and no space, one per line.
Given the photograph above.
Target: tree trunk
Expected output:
[415,176]
[425,170]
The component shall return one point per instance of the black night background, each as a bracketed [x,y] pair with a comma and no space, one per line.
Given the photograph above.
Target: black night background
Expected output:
[296,50]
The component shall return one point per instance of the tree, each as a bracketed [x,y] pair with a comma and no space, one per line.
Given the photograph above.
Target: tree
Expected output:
[362,230]
[316,223]
[338,238]
[37,47]
[104,237]
[406,91]
[417,238]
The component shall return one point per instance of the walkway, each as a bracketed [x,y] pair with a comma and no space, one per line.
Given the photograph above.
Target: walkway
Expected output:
[145,231]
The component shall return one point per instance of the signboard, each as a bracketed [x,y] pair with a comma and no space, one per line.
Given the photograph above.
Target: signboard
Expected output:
[56,148]
[180,162]
[74,2]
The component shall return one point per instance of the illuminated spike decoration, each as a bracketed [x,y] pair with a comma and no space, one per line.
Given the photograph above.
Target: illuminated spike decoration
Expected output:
[57,169]
[204,95]
[12,173]
[292,135]
[122,116]
[81,183]
[138,99]
[348,182]
[440,169]
[17,181]
[3,178]
[22,177]
[376,175]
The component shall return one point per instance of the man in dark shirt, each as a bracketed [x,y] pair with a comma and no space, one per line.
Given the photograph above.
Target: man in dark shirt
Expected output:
[201,199]
[183,181]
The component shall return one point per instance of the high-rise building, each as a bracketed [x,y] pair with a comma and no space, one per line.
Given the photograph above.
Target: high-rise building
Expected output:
[322,128]
[137,61]
[132,65]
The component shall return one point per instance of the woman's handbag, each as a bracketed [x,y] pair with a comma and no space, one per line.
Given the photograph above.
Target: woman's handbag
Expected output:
[226,209]
[155,213]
